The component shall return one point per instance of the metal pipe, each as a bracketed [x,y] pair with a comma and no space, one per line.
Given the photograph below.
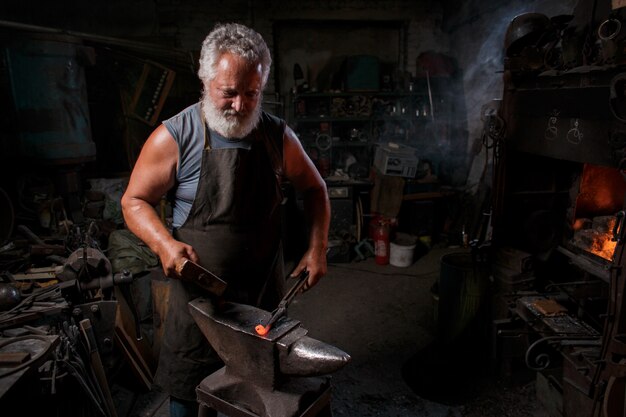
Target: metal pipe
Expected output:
[430,96]
[149,48]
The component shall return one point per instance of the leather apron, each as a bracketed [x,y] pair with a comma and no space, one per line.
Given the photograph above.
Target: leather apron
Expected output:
[234,226]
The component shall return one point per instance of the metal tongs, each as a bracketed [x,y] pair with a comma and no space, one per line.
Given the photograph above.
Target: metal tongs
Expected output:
[281,310]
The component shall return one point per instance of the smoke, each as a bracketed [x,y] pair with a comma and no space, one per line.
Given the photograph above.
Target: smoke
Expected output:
[478,45]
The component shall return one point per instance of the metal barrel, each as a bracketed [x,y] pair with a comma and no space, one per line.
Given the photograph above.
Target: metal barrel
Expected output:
[463,295]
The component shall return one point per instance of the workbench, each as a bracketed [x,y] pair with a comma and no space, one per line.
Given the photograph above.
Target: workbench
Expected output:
[21,355]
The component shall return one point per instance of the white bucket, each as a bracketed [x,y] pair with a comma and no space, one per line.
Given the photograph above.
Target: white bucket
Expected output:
[402,251]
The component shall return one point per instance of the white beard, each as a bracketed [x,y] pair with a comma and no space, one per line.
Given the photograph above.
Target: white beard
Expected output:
[227,122]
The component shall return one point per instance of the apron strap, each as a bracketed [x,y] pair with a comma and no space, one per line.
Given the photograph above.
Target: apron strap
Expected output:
[207,138]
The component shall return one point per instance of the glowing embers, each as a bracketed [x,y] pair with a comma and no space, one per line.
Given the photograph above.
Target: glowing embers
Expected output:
[600,195]
[595,236]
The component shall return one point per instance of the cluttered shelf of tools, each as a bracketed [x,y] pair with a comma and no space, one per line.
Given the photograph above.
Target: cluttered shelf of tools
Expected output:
[362,107]
[340,128]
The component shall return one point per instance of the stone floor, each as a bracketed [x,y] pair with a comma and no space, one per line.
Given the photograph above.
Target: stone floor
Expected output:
[384,317]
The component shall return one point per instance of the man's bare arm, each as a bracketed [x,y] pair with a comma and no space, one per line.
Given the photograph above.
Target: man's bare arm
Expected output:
[301,172]
[153,175]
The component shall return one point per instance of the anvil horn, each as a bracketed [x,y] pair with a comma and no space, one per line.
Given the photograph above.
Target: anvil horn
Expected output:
[284,351]
[301,355]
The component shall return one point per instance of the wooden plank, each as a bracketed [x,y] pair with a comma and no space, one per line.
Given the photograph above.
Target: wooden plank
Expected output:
[137,365]
[160,305]
[35,276]
[54,268]
[138,353]
[13,358]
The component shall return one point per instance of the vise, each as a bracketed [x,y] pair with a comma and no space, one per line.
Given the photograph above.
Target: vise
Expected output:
[278,374]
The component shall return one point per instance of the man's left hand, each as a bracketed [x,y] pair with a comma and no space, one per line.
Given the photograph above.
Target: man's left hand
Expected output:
[314,261]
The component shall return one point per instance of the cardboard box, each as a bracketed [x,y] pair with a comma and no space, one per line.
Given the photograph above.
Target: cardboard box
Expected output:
[396,159]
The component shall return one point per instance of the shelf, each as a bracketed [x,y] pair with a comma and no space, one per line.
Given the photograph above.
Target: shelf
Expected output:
[399,118]
[539,192]
[377,116]
[373,119]
[318,119]
[344,143]
[599,268]
[363,93]
[348,144]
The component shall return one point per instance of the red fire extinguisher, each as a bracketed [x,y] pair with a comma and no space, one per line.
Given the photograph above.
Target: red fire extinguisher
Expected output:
[381,242]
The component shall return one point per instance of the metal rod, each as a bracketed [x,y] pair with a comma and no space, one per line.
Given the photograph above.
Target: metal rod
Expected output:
[96,363]
[430,96]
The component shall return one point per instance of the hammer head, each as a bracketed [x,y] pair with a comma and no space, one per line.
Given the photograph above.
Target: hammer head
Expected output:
[192,272]
[266,360]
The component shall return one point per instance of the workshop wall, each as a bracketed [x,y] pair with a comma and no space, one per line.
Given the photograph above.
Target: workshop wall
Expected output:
[471,32]
[134,19]
[422,19]
[184,24]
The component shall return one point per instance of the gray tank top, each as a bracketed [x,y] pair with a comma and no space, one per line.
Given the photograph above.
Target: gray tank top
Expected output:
[188,132]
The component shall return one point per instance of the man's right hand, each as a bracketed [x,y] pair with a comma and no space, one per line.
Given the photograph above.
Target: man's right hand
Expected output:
[173,254]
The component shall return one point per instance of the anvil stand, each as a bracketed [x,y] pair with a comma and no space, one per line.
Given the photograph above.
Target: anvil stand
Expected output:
[235,397]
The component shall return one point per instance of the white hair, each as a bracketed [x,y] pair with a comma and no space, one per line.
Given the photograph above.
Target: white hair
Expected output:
[237,39]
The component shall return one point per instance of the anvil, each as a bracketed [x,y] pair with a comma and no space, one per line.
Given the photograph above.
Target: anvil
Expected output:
[266,373]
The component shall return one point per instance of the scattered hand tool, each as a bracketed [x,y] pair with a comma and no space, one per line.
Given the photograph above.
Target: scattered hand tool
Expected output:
[282,306]
[192,272]
[97,367]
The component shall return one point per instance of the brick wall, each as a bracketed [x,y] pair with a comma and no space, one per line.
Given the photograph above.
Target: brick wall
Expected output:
[469,30]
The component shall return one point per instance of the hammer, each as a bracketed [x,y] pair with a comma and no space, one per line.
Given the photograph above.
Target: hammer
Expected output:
[192,272]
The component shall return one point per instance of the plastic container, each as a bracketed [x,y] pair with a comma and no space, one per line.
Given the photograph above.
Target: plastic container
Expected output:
[402,250]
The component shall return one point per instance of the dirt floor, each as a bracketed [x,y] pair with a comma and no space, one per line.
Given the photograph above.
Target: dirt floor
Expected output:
[385,318]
